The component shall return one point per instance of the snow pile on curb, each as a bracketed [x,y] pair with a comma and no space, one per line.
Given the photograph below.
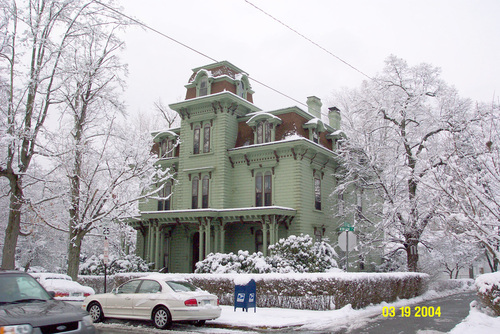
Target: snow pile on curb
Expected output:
[488,291]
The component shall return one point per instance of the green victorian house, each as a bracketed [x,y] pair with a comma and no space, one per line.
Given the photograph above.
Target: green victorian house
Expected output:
[244,177]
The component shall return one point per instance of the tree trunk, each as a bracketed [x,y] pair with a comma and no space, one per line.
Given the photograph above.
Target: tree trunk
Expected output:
[14,224]
[74,249]
[411,247]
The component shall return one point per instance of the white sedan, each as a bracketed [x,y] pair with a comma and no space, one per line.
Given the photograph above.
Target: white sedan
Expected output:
[63,286]
[161,300]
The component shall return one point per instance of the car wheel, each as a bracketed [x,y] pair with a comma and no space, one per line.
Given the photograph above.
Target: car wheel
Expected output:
[199,323]
[162,318]
[95,311]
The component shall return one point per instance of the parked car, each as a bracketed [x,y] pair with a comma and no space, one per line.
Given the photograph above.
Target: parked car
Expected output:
[157,299]
[26,307]
[63,286]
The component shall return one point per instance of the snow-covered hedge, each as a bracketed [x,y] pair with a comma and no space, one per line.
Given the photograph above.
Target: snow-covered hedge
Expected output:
[488,291]
[295,254]
[313,291]
[94,265]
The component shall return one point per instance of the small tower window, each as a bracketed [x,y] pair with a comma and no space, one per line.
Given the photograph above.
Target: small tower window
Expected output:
[241,89]
[203,86]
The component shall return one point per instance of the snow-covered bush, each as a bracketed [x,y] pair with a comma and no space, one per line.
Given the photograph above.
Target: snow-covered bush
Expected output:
[243,262]
[488,291]
[299,254]
[129,263]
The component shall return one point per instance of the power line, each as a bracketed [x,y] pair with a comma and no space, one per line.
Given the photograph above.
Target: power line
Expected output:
[309,40]
[191,48]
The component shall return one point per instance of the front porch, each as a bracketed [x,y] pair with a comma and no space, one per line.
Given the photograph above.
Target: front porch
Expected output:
[175,240]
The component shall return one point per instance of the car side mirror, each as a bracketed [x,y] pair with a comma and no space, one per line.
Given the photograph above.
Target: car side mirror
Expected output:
[114,291]
[52,293]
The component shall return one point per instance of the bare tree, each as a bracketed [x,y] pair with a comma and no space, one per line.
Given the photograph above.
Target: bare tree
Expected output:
[168,114]
[34,39]
[471,184]
[395,126]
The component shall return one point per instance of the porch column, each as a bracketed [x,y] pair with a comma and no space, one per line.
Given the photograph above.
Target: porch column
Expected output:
[201,242]
[216,238]
[157,247]
[273,235]
[222,237]
[264,236]
[150,242]
[208,233]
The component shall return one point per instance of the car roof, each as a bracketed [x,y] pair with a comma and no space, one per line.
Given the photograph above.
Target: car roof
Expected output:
[12,272]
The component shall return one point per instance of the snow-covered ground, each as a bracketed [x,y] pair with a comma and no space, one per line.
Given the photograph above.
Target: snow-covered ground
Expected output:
[347,317]
[309,321]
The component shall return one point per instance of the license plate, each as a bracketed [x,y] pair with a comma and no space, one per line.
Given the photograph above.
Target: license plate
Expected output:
[207,302]
[76,294]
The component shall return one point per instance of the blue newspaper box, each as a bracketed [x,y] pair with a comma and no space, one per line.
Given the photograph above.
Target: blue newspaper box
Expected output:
[245,296]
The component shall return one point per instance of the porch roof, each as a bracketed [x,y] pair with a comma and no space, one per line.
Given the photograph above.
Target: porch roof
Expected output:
[231,214]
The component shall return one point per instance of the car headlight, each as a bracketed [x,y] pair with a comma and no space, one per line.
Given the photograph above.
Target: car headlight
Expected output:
[16,329]
[87,320]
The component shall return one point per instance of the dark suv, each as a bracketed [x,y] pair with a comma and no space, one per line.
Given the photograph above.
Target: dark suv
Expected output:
[26,307]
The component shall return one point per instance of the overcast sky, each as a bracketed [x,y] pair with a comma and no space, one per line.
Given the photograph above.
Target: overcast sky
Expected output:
[462,37]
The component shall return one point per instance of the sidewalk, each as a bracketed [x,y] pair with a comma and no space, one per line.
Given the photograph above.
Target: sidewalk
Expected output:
[306,320]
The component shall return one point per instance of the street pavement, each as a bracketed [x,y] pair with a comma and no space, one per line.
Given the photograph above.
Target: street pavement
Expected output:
[453,309]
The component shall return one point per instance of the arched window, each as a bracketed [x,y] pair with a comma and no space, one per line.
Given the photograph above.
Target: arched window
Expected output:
[196,140]
[263,189]
[204,191]
[165,194]
[258,189]
[194,193]
[206,138]
[203,86]
[317,193]
[267,189]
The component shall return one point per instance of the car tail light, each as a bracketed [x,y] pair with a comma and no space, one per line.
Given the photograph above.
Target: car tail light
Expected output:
[191,302]
[218,302]
[62,294]
[86,294]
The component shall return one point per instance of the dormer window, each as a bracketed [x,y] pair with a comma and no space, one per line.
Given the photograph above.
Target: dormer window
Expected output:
[315,137]
[203,86]
[264,132]
[264,127]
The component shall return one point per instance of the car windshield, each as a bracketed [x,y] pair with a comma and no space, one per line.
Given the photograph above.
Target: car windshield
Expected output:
[180,286]
[20,289]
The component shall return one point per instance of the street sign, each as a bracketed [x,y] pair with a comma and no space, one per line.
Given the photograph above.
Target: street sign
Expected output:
[347,241]
[346,227]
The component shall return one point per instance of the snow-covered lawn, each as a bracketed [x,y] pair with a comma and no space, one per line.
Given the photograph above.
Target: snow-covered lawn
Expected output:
[305,320]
